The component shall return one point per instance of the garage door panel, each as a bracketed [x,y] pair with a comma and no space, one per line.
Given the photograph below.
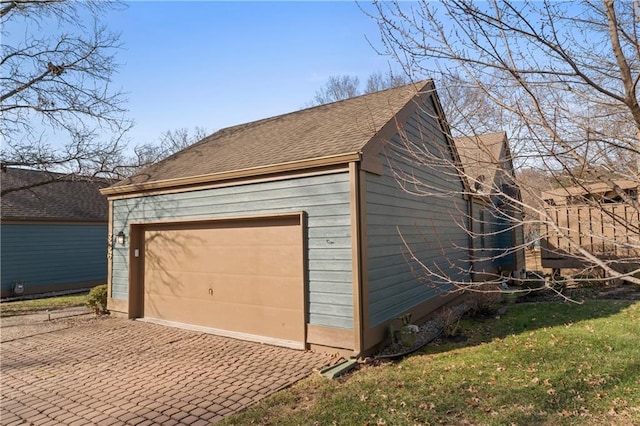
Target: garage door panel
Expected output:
[263,260]
[262,232]
[274,291]
[271,291]
[244,277]
[261,321]
[251,260]
[271,265]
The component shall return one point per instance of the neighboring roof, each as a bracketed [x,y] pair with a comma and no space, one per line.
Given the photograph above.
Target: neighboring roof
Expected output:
[481,155]
[329,130]
[560,195]
[48,197]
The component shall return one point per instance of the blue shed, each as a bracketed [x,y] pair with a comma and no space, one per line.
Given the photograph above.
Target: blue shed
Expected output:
[53,232]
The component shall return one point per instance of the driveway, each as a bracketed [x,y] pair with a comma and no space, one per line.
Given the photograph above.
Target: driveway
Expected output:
[108,371]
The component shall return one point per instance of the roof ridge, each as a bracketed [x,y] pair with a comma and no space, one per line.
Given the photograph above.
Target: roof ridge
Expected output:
[249,124]
[379,92]
[482,135]
[51,172]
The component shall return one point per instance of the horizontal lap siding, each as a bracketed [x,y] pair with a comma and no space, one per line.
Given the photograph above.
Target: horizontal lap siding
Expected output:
[496,228]
[483,241]
[43,254]
[325,199]
[433,227]
[503,241]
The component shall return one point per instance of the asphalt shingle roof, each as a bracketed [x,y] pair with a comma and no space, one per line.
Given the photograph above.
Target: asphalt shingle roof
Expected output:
[74,199]
[333,129]
[481,155]
[561,196]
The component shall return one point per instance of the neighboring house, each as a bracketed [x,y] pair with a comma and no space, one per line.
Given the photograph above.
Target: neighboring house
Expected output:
[593,217]
[496,206]
[599,192]
[53,232]
[294,230]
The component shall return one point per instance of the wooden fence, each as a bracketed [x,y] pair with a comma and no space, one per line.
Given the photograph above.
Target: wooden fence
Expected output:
[608,231]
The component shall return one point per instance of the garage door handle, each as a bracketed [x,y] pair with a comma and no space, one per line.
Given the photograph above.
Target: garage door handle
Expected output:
[210,292]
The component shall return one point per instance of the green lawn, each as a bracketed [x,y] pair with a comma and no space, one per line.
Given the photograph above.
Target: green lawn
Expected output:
[22,307]
[545,363]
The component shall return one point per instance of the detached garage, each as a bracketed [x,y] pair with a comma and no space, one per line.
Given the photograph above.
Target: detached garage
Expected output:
[295,230]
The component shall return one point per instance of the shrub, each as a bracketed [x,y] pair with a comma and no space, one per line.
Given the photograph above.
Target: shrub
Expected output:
[533,280]
[484,301]
[558,283]
[97,299]
[450,321]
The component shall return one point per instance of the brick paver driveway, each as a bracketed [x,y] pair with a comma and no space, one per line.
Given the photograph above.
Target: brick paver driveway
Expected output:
[117,371]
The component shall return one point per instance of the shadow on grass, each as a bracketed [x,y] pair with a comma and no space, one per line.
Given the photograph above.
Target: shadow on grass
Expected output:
[525,317]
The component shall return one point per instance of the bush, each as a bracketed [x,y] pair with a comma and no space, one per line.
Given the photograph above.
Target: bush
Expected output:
[97,299]
[534,280]
[450,322]
[484,302]
[558,283]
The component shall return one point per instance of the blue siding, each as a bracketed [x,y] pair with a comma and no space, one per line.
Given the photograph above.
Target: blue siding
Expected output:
[503,241]
[505,246]
[484,236]
[430,216]
[324,198]
[43,254]
[502,248]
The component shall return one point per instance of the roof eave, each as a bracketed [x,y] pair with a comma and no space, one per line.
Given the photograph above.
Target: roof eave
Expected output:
[48,219]
[331,160]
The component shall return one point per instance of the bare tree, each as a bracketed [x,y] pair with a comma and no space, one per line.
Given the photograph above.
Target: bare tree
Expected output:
[59,109]
[169,143]
[337,88]
[562,79]
[342,87]
[379,81]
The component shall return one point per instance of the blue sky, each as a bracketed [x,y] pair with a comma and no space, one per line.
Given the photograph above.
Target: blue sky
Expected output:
[216,64]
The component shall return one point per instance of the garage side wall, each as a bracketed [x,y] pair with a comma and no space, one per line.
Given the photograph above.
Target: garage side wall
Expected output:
[418,199]
[324,199]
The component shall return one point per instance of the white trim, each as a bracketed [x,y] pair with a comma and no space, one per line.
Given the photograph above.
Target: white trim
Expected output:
[226,333]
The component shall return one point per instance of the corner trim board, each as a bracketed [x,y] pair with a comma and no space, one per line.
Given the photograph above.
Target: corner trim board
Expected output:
[356,264]
[330,336]
[110,249]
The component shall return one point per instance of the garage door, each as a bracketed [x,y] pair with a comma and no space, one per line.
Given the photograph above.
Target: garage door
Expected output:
[239,278]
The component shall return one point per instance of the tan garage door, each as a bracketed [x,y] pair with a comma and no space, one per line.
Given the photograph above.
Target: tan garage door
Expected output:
[239,278]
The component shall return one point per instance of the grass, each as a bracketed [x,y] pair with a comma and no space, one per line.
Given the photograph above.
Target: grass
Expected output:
[543,364]
[23,307]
